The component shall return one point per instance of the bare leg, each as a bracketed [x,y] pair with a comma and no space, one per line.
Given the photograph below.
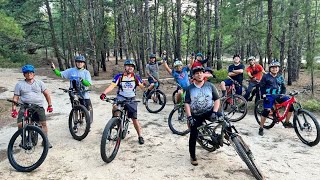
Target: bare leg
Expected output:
[137,126]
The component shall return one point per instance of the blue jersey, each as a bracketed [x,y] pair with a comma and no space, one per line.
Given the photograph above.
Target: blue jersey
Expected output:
[272,85]
[182,77]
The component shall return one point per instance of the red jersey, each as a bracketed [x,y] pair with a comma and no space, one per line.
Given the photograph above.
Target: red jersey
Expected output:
[255,71]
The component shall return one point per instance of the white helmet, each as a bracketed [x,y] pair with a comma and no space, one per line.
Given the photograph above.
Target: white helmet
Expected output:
[177,63]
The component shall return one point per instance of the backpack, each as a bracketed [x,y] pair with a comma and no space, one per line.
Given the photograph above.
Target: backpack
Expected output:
[135,80]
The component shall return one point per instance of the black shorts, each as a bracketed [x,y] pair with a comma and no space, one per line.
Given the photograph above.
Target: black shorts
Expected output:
[37,113]
[130,107]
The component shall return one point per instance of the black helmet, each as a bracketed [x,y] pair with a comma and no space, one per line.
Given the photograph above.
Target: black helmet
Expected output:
[208,69]
[130,62]
[80,59]
[197,69]
[236,55]
[152,56]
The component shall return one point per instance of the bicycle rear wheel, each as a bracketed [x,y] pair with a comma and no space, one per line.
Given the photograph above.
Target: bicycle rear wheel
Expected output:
[177,121]
[234,107]
[270,120]
[156,101]
[205,140]
[27,156]
[79,122]
[246,155]
[306,127]
[110,141]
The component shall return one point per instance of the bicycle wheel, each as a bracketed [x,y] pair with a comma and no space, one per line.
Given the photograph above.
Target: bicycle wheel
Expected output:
[110,141]
[307,127]
[177,121]
[174,96]
[79,122]
[234,107]
[205,140]
[156,101]
[246,155]
[244,89]
[270,120]
[27,156]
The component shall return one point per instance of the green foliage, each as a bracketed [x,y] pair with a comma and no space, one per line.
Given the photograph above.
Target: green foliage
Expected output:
[220,75]
[9,27]
[312,105]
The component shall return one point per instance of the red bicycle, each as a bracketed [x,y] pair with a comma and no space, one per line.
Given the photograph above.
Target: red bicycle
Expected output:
[305,123]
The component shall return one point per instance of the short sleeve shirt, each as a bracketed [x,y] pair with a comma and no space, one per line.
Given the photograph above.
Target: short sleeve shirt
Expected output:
[182,78]
[30,93]
[239,77]
[153,69]
[255,71]
[127,86]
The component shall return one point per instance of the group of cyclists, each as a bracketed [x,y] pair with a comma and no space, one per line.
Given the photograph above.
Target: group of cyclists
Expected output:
[202,100]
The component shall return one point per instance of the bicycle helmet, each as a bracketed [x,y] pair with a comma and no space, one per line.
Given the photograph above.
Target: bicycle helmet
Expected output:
[236,55]
[80,59]
[274,63]
[208,69]
[197,69]
[152,56]
[251,58]
[177,63]
[27,68]
[199,54]
[130,62]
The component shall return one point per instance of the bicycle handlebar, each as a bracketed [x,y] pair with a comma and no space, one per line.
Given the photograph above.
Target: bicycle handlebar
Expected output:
[14,102]
[71,90]
[116,101]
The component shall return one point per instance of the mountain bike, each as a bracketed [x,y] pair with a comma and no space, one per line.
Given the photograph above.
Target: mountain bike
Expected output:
[156,99]
[305,123]
[228,135]
[255,92]
[24,152]
[115,130]
[79,118]
[234,106]
[177,119]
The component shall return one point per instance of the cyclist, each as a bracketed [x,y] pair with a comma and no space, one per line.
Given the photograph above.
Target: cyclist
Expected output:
[29,91]
[272,87]
[208,74]
[78,74]
[153,72]
[254,72]
[127,83]
[199,60]
[180,75]
[201,102]
[235,71]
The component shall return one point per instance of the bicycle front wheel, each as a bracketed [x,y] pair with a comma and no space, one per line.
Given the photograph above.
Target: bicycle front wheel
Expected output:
[246,155]
[177,121]
[270,120]
[79,122]
[205,140]
[234,107]
[307,127]
[110,141]
[155,101]
[24,154]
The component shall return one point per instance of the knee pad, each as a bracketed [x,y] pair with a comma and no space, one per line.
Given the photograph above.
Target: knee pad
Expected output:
[265,112]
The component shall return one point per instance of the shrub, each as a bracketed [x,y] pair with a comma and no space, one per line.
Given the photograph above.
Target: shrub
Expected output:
[312,105]
[220,75]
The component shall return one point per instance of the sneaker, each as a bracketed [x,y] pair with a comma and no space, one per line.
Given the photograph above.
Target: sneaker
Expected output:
[194,161]
[141,141]
[261,131]
[49,144]
[287,125]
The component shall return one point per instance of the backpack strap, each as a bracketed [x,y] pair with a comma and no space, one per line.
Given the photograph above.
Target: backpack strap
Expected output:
[135,80]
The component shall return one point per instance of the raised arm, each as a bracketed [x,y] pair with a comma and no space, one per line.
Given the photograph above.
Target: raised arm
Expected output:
[191,62]
[167,67]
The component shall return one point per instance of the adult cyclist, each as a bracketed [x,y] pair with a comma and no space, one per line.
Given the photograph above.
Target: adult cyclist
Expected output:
[80,78]
[127,83]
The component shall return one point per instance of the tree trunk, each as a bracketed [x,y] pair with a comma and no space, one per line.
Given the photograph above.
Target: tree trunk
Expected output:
[148,25]
[179,24]
[92,38]
[217,33]
[198,26]
[208,3]
[269,35]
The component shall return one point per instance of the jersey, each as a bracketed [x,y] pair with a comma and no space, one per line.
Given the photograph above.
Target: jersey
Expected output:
[181,77]
[30,93]
[238,77]
[127,84]
[272,85]
[201,99]
[153,69]
[255,71]
[76,74]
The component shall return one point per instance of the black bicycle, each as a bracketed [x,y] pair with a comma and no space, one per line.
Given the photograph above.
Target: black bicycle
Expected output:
[156,99]
[24,152]
[115,130]
[79,118]
[227,134]
[255,92]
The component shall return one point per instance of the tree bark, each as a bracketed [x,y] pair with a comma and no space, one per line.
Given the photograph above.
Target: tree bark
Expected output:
[269,35]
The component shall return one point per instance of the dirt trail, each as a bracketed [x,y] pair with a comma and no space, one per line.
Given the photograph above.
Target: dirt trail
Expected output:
[280,154]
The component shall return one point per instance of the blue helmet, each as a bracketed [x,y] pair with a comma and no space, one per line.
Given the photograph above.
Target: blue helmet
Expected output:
[199,54]
[130,62]
[80,58]
[27,68]
[152,56]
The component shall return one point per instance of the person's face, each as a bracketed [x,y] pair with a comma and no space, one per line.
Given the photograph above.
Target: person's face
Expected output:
[236,60]
[198,76]
[80,64]
[252,62]
[28,75]
[152,60]
[274,70]
[199,58]
[178,68]
[129,68]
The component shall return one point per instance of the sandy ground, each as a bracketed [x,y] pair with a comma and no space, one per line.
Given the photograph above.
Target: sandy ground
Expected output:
[280,154]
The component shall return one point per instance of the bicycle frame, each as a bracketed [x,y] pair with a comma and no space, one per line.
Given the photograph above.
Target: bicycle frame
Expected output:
[285,104]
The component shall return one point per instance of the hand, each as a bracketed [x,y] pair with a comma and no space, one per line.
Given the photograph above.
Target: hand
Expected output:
[102,96]
[14,113]
[49,109]
[53,66]
[215,115]
[191,121]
